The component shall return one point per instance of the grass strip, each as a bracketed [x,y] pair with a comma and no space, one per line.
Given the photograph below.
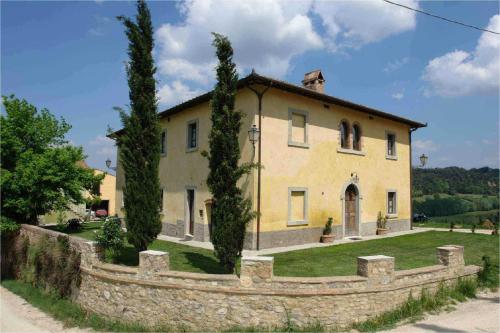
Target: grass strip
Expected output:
[414,308]
[71,314]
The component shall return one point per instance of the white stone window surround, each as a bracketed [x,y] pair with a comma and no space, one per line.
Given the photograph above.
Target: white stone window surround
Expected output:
[163,142]
[190,148]
[394,155]
[291,143]
[394,214]
[305,221]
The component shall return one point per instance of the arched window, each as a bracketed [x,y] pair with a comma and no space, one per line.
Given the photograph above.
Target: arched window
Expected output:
[344,134]
[356,137]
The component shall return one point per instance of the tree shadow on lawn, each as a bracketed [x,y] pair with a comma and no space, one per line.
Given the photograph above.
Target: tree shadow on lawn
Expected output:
[128,256]
[203,263]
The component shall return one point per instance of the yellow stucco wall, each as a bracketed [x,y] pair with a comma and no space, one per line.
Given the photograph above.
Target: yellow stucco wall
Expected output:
[320,168]
[108,190]
[180,169]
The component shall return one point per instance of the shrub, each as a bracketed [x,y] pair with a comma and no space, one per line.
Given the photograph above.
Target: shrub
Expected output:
[7,226]
[328,227]
[73,225]
[110,236]
[48,263]
[381,221]
[487,276]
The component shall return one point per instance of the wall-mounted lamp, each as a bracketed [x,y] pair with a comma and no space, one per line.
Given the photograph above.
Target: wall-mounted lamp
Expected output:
[108,165]
[254,134]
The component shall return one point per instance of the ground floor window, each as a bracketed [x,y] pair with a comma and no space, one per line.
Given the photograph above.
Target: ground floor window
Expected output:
[391,202]
[297,206]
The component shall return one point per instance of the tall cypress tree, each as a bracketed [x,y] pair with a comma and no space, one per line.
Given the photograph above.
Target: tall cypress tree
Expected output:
[139,146]
[230,212]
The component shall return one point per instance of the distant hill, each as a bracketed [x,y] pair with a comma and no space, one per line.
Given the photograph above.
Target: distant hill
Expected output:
[454,180]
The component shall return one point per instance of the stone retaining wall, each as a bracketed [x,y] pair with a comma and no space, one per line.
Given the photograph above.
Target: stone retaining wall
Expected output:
[153,295]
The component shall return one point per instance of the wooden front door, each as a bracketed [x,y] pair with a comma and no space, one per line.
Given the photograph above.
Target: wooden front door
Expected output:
[351,223]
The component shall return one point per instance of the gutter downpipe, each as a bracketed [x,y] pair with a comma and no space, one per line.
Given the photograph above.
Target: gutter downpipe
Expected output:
[259,94]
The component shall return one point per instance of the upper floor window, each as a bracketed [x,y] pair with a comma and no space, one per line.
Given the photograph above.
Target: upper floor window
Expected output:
[163,142]
[297,128]
[356,137]
[391,145]
[344,135]
[192,135]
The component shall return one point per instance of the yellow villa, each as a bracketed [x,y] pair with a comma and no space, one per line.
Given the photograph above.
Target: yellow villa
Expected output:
[321,157]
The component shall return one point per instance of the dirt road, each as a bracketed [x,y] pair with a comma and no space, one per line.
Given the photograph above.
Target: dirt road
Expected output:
[478,315]
[18,316]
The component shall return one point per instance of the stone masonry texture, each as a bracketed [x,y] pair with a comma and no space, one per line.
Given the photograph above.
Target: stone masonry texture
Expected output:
[153,295]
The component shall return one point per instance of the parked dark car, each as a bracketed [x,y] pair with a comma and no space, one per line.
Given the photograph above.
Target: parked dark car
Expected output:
[420,218]
[101,213]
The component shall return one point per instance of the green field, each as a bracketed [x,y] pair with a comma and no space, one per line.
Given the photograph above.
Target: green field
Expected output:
[410,251]
[464,220]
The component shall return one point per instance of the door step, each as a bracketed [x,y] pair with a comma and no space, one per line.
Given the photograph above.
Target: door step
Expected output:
[188,237]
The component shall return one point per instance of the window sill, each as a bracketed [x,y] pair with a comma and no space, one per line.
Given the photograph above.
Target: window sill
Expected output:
[190,150]
[296,223]
[298,144]
[351,151]
[391,157]
[392,216]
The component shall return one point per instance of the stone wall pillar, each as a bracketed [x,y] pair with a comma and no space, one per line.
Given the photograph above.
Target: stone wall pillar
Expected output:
[255,270]
[378,269]
[152,262]
[451,256]
[91,254]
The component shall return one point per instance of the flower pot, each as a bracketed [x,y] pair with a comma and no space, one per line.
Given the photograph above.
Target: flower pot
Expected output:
[382,231]
[327,238]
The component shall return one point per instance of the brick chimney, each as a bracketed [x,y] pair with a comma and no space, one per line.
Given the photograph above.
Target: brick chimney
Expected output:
[314,80]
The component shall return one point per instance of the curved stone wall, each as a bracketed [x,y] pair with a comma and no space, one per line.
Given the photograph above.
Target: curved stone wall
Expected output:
[153,295]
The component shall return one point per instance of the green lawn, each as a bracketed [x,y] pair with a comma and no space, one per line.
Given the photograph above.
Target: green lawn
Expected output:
[410,251]
[182,257]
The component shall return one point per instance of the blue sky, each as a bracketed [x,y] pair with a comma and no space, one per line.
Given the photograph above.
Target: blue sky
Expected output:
[69,57]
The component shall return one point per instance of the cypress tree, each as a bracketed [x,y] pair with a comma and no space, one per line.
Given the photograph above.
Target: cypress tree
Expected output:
[231,212]
[139,146]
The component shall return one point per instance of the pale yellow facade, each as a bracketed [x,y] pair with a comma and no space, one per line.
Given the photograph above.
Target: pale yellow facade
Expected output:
[107,191]
[304,172]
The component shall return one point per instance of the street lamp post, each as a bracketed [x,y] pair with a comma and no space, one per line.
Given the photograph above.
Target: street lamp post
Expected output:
[108,165]
[423,160]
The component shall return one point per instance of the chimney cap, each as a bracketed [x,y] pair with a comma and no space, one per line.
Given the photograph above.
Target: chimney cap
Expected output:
[312,76]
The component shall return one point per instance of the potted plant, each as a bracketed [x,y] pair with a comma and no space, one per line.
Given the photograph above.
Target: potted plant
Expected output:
[381,224]
[327,236]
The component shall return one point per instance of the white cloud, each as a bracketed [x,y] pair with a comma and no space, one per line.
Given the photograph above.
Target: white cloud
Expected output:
[460,73]
[398,95]
[96,32]
[487,142]
[395,65]
[265,36]
[424,145]
[175,93]
[356,23]
[102,146]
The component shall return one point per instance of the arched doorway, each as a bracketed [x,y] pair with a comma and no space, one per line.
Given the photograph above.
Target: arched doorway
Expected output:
[351,204]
